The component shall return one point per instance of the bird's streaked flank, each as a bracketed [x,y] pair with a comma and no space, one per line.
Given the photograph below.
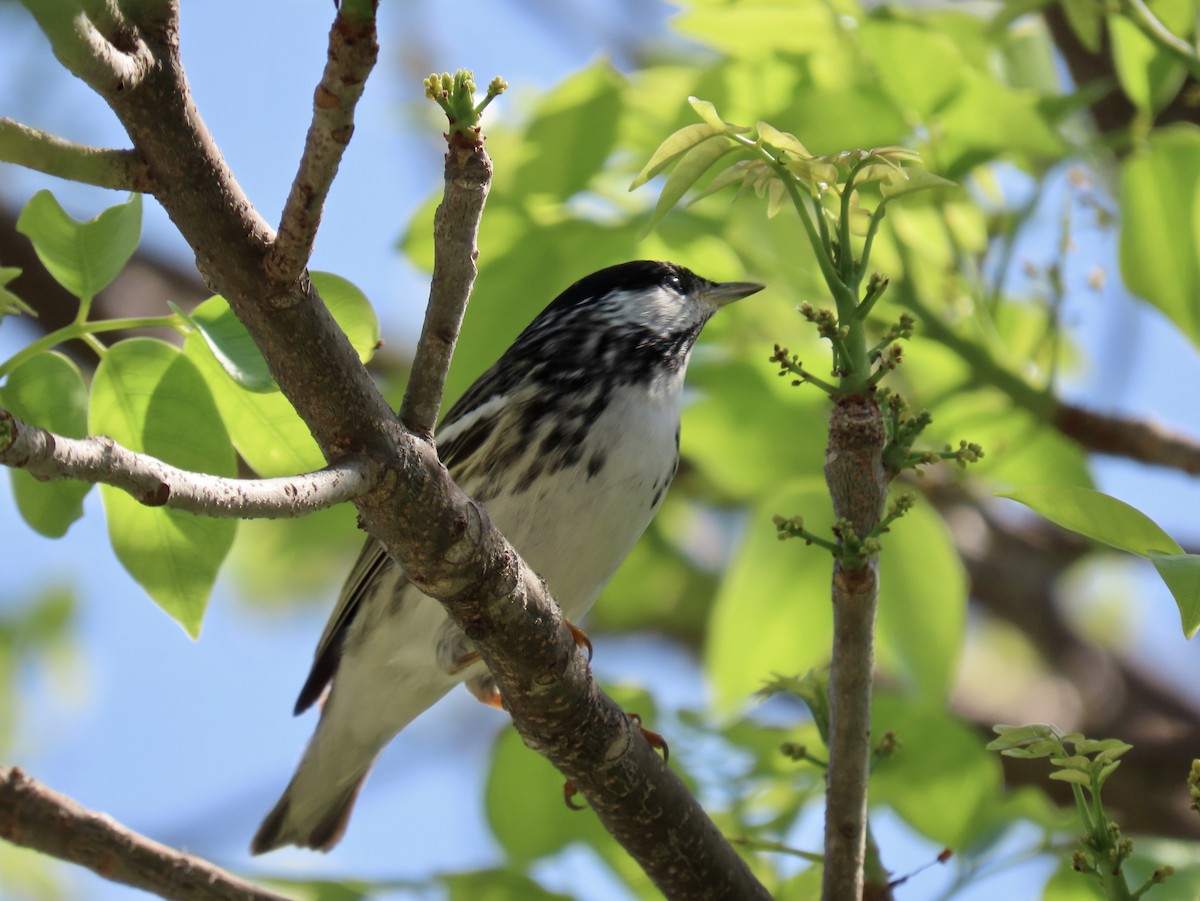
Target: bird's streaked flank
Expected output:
[570,442]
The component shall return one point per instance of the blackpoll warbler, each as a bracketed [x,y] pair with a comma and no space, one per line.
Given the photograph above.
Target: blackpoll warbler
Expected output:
[570,441]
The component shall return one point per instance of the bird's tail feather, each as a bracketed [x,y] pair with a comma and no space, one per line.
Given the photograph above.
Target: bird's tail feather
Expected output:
[280,828]
[315,807]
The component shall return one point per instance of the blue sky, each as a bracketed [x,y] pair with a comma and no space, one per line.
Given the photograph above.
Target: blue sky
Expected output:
[191,742]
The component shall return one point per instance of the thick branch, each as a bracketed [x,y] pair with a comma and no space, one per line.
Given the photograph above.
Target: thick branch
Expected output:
[1132,438]
[455,230]
[36,817]
[353,49]
[44,152]
[441,537]
[858,486]
[158,484]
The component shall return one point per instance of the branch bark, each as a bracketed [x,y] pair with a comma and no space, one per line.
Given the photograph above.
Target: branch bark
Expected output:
[857,484]
[353,49]
[44,152]
[34,816]
[455,231]
[157,484]
[441,537]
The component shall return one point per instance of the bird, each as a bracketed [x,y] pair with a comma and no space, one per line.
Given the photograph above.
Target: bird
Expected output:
[581,413]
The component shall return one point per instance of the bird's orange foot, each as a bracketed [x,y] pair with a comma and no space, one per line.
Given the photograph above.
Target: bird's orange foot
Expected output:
[653,739]
[581,639]
[569,793]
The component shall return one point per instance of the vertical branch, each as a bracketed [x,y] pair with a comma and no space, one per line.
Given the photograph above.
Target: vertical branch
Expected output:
[456,233]
[858,485]
[353,50]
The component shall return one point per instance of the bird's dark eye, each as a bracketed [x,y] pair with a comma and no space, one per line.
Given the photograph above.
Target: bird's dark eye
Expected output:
[673,282]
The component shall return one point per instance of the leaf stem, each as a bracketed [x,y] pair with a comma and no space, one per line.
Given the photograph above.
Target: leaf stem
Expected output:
[85,331]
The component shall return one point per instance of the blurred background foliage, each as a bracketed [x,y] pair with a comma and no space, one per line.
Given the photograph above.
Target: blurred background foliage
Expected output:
[1072,135]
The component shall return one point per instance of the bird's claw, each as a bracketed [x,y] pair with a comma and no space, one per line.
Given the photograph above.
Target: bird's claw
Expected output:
[581,639]
[654,739]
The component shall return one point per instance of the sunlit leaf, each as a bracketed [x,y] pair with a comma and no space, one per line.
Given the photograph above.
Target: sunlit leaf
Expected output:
[149,397]
[708,112]
[1160,225]
[673,147]
[1181,573]
[1097,516]
[83,257]
[909,181]
[781,140]
[691,167]
[9,302]
[48,391]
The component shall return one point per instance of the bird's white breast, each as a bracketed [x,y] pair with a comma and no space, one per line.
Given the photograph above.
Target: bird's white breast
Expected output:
[575,527]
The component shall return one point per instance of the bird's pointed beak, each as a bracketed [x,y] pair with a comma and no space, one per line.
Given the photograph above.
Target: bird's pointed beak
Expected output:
[724,293]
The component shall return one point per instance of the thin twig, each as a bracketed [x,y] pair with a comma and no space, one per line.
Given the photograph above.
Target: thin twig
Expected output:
[158,484]
[34,816]
[456,231]
[353,50]
[44,152]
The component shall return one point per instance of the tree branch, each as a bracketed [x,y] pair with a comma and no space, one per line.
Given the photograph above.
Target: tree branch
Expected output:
[441,537]
[44,152]
[858,486]
[353,50]
[455,230]
[85,52]
[1136,439]
[36,817]
[157,484]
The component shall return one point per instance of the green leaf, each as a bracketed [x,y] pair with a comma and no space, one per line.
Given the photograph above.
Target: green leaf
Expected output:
[1069,885]
[496,885]
[1160,225]
[1086,18]
[83,257]
[9,302]
[351,310]
[572,134]
[691,167]
[908,181]
[924,65]
[782,140]
[149,397]
[231,345]
[1074,776]
[743,29]
[772,612]
[239,356]
[1149,75]
[1097,516]
[707,111]
[922,603]
[941,781]
[48,391]
[1181,572]
[674,147]
[265,428]
[525,809]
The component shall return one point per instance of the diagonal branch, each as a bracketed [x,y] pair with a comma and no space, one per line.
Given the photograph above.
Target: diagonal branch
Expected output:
[1137,439]
[455,230]
[353,49]
[441,537]
[34,816]
[158,484]
[44,152]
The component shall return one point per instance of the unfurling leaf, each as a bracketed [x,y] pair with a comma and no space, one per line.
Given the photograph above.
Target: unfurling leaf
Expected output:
[674,147]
